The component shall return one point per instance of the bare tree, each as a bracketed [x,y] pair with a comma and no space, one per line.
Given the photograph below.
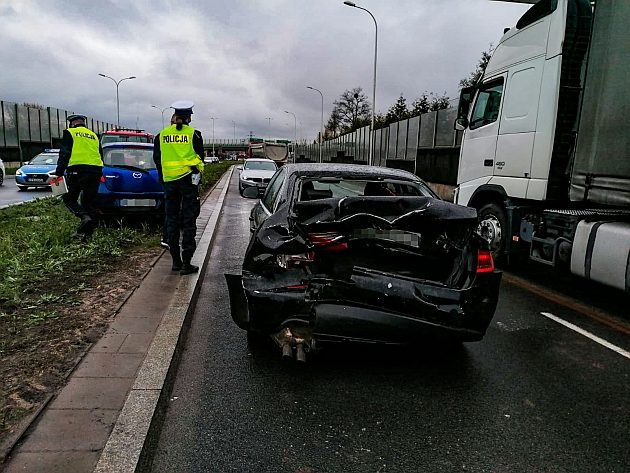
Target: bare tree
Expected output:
[352,109]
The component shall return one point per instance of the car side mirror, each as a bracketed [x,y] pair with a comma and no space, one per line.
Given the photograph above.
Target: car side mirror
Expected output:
[251,192]
[461,124]
[239,168]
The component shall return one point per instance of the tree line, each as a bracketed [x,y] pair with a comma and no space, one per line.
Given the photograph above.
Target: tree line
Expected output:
[352,110]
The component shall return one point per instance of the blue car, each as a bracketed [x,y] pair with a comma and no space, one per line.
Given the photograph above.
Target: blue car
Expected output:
[37,172]
[130,182]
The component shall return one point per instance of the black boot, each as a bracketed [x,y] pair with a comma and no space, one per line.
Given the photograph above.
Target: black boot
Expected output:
[188,268]
[86,225]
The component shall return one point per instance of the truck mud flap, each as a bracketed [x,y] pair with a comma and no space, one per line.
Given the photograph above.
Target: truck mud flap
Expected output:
[238,300]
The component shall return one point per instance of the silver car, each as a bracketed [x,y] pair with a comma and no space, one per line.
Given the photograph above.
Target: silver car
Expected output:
[2,172]
[256,173]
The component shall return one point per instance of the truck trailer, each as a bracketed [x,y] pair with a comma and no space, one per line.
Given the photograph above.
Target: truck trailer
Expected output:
[277,152]
[545,157]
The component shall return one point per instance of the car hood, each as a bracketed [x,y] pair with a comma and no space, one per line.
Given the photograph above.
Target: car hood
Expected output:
[38,168]
[248,174]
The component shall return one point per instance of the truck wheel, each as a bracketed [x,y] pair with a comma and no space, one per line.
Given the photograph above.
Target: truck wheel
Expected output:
[493,228]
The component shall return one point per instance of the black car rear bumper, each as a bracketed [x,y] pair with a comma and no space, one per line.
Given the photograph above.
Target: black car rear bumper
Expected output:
[410,310]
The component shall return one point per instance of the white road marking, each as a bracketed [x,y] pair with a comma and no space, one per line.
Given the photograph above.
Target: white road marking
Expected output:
[581,331]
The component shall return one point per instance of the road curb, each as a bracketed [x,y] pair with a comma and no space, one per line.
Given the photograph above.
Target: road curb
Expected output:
[134,436]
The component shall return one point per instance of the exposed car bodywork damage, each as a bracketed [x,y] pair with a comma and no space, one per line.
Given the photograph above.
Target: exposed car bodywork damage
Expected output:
[378,269]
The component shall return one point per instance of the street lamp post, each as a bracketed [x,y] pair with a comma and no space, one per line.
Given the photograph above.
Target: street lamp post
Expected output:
[161,110]
[268,127]
[321,134]
[213,119]
[117,82]
[294,134]
[234,125]
[352,4]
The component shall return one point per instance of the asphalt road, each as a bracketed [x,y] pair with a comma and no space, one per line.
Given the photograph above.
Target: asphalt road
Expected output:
[9,193]
[533,396]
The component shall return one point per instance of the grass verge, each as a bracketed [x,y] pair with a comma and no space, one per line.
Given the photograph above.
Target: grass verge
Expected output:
[57,293]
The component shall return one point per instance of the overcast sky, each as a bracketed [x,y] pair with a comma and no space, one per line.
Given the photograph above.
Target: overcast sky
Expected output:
[238,60]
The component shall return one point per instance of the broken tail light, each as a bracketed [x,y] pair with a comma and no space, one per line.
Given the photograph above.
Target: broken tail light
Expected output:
[327,241]
[485,262]
[102,179]
[293,261]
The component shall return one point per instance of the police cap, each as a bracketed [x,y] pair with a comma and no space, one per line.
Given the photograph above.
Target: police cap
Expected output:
[183,107]
[76,116]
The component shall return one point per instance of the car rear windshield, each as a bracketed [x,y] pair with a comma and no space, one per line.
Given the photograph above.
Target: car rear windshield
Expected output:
[47,158]
[260,165]
[314,189]
[129,157]
[125,139]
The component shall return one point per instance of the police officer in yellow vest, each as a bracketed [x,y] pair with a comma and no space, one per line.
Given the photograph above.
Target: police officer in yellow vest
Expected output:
[177,152]
[80,158]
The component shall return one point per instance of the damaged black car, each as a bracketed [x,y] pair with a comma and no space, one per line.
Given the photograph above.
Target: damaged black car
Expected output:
[361,254]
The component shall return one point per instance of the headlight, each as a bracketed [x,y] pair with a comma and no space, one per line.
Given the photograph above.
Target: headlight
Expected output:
[19,173]
[51,172]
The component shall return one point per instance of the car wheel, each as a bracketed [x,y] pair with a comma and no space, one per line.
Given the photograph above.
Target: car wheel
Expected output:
[1,177]
[493,228]
[241,190]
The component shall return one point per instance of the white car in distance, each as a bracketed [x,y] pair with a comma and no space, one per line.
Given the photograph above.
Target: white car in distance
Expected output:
[256,172]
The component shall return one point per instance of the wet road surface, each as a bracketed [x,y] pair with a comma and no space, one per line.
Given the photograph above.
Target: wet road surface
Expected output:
[9,193]
[533,396]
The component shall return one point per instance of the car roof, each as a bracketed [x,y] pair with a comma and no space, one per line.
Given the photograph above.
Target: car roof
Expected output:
[261,159]
[357,171]
[127,132]
[127,144]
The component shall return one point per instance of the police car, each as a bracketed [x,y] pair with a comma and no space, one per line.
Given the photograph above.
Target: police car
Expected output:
[130,182]
[37,172]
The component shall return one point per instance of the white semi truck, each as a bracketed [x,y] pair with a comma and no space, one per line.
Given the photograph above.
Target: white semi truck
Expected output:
[545,154]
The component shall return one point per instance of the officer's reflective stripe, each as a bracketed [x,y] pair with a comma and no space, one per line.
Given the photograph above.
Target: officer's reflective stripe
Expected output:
[84,147]
[178,154]
[177,163]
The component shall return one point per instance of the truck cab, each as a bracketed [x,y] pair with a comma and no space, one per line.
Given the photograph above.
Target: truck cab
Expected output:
[544,157]
[519,122]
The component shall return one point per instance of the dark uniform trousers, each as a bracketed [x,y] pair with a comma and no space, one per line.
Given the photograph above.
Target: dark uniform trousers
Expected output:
[182,209]
[86,184]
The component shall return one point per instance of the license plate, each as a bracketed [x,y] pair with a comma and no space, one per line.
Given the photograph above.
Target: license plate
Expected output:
[398,236]
[137,202]
[35,179]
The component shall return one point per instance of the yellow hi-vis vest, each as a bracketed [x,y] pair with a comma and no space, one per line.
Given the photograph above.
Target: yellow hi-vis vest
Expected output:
[178,154]
[84,147]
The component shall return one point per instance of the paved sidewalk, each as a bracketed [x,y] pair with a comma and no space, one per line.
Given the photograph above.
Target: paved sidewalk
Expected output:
[74,428]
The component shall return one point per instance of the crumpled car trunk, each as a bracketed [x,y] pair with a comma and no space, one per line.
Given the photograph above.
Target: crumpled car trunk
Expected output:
[405,257]
[413,237]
